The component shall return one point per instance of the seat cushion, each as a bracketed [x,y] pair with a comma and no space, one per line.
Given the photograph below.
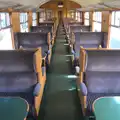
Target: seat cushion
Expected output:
[22,82]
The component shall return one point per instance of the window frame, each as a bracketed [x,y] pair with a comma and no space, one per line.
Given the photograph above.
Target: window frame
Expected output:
[6,23]
[24,21]
[113,23]
[97,17]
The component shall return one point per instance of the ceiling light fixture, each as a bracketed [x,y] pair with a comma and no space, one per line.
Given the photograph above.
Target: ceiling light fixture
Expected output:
[60,4]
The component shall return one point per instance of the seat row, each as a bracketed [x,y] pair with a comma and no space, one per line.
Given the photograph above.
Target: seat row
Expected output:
[23,70]
[81,35]
[99,76]
[99,70]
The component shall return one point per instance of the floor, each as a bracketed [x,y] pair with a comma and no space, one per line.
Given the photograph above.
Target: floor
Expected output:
[60,99]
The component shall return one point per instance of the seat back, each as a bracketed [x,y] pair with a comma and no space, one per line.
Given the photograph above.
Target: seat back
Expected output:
[102,71]
[31,40]
[79,28]
[17,71]
[41,29]
[75,23]
[88,40]
[46,23]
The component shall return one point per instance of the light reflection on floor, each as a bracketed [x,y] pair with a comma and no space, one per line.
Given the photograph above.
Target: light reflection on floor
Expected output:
[73,88]
[71,76]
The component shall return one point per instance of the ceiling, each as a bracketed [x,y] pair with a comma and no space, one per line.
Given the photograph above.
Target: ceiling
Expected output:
[34,4]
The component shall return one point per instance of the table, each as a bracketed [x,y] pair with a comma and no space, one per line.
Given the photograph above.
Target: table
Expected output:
[107,108]
[13,108]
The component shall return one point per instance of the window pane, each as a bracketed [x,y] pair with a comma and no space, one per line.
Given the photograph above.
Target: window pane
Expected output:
[97,27]
[113,18]
[5,39]
[97,16]
[34,16]
[3,21]
[24,27]
[86,22]
[34,23]
[23,21]
[115,38]
[7,19]
[87,15]
[117,18]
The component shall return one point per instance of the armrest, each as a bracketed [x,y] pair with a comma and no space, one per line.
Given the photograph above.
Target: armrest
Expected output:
[83,89]
[36,90]
[48,52]
[73,52]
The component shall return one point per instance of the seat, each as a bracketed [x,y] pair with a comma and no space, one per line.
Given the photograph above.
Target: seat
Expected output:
[31,40]
[47,23]
[79,28]
[76,28]
[21,76]
[45,29]
[86,40]
[99,76]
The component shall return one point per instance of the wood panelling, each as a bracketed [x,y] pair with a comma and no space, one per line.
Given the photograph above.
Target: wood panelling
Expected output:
[106,21]
[15,22]
[29,20]
[68,5]
[37,18]
[83,17]
[91,20]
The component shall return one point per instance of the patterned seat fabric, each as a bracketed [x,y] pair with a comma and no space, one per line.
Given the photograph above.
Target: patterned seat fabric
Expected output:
[31,40]
[45,29]
[17,74]
[102,75]
[46,24]
[79,28]
[89,40]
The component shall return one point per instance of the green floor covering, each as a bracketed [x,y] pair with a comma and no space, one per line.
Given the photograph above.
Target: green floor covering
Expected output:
[60,99]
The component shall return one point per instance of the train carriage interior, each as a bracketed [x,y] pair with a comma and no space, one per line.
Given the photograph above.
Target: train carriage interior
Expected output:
[62,57]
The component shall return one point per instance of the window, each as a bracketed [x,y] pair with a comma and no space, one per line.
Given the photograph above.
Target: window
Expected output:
[97,19]
[34,19]
[41,16]
[78,16]
[115,19]
[86,18]
[23,22]
[86,15]
[115,30]
[5,32]
[49,14]
[72,14]
[4,20]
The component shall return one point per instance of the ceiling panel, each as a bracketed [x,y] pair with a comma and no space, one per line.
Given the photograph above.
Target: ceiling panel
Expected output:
[37,3]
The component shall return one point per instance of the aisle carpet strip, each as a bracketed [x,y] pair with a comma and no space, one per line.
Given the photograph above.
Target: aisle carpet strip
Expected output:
[60,99]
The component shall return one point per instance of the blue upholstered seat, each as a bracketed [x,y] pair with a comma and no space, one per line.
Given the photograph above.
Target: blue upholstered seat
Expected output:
[18,76]
[102,75]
